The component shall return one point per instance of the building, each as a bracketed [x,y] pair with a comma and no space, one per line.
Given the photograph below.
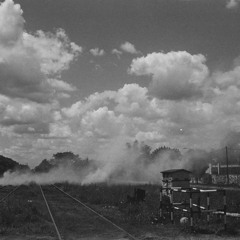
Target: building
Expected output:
[176,178]
[220,173]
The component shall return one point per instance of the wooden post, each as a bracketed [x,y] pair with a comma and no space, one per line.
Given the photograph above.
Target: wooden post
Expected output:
[191,210]
[199,207]
[225,209]
[171,205]
[208,208]
[160,210]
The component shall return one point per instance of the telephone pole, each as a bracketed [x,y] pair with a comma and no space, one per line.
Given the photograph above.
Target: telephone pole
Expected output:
[227,165]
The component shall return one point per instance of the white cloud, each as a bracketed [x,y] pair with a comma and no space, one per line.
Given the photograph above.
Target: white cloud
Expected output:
[11,23]
[129,48]
[175,75]
[110,114]
[93,102]
[15,112]
[117,53]
[231,4]
[60,85]
[28,60]
[132,113]
[59,130]
[133,101]
[30,83]
[205,109]
[102,122]
[97,52]
[55,51]
[224,80]
[35,128]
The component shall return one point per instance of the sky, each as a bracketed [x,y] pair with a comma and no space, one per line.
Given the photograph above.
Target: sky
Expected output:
[81,75]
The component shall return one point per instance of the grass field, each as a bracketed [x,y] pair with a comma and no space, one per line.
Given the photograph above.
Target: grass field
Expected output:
[110,197]
[25,214]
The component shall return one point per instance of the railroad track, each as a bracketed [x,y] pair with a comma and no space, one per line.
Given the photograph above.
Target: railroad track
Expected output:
[65,216]
[73,219]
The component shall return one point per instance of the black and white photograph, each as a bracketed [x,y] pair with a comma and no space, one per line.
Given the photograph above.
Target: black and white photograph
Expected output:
[119,119]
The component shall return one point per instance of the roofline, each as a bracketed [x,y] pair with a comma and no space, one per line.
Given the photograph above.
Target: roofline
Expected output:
[175,170]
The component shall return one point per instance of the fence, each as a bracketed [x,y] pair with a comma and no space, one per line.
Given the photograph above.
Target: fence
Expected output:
[189,206]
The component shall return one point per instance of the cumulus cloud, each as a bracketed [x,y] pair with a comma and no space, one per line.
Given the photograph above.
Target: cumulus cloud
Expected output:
[117,52]
[20,117]
[174,75]
[231,4]
[102,123]
[59,130]
[38,128]
[22,114]
[225,80]
[97,52]
[54,50]
[15,112]
[29,60]
[89,126]
[11,23]
[185,105]
[133,112]
[129,48]
[60,85]
[31,65]
[131,100]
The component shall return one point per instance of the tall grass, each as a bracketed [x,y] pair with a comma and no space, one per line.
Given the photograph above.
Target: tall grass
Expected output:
[25,211]
[147,213]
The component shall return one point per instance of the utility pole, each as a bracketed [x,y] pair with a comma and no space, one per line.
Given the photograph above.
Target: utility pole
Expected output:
[227,165]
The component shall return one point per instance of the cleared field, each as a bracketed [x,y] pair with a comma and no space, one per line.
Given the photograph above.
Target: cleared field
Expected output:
[23,215]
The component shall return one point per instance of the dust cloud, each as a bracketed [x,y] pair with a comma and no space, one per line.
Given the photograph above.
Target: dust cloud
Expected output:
[119,163]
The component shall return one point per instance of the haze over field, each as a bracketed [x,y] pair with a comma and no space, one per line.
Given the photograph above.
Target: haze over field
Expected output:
[90,76]
[131,163]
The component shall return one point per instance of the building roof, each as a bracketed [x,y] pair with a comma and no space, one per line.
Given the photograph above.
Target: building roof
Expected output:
[175,170]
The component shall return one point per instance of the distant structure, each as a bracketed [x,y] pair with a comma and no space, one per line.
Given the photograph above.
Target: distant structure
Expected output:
[176,178]
[218,173]
[139,196]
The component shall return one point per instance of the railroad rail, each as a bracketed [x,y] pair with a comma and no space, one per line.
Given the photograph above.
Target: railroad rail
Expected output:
[95,212]
[50,213]
[53,201]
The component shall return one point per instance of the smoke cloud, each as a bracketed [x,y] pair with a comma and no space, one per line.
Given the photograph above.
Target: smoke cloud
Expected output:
[122,163]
